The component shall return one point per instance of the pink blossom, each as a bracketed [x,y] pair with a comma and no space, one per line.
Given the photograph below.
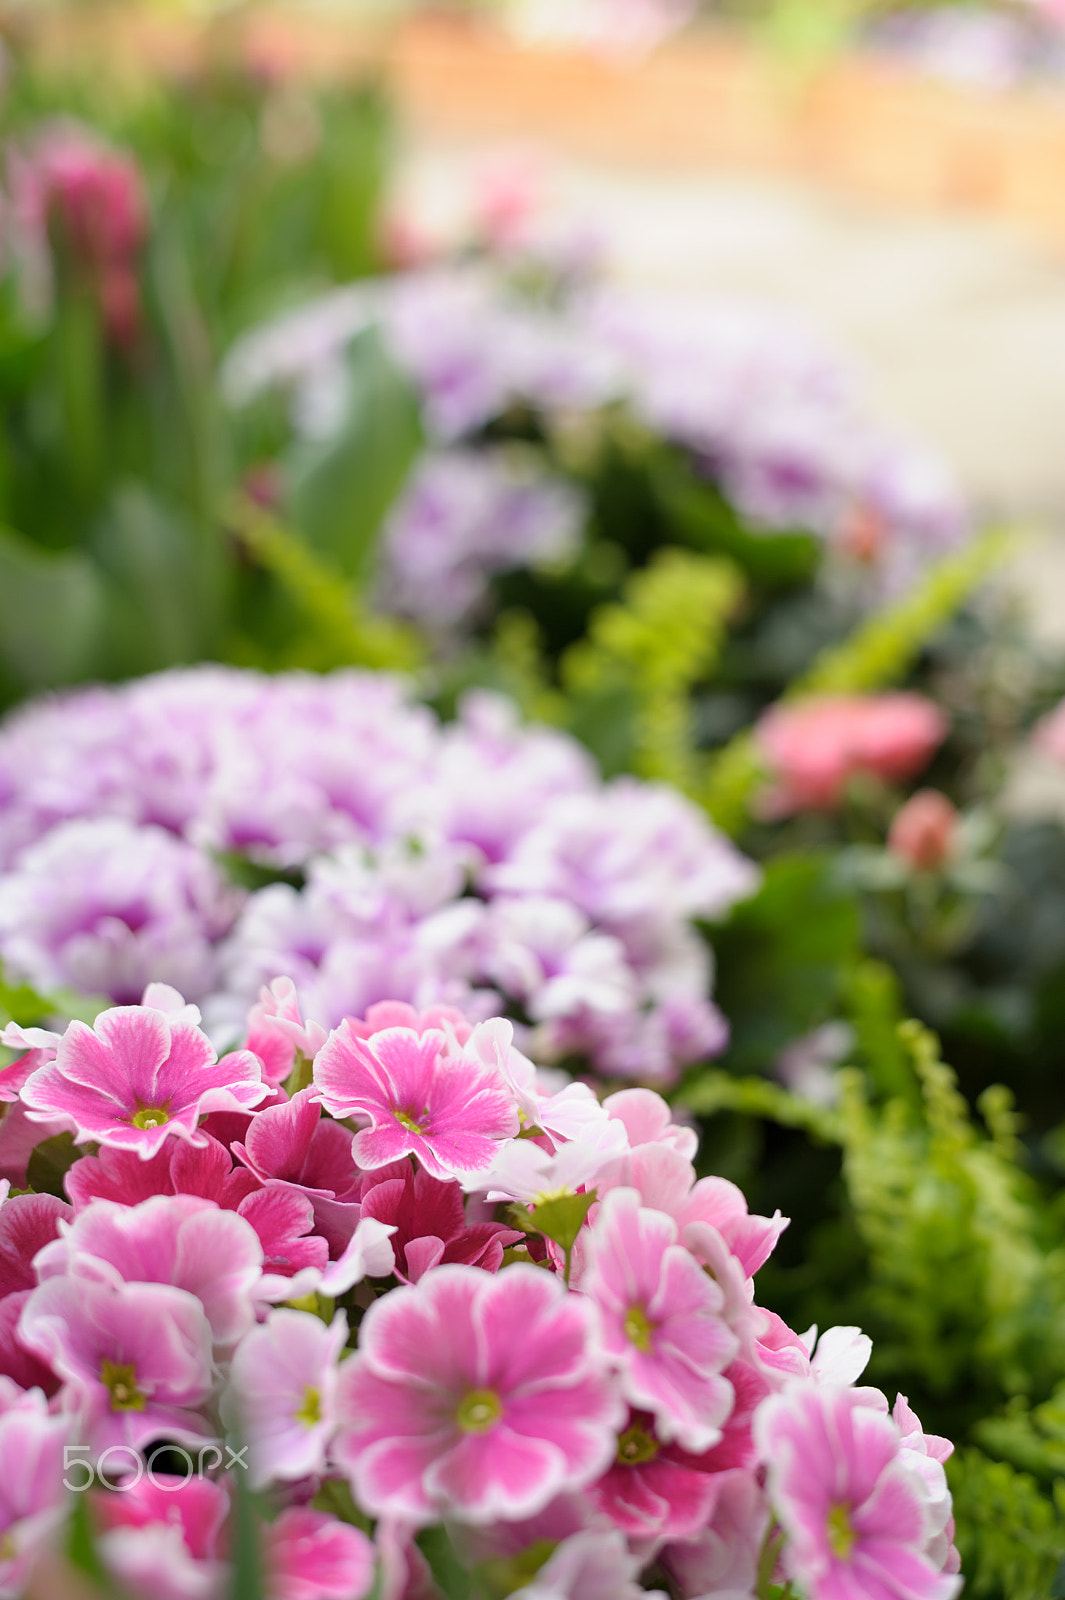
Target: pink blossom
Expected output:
[655,1490]
[855,1522]
[277,1032]
[294,1143]
[137,1360]
[136,1077]
[32,1494]
[419,1100]
[722,1560]
[282,1393]
[284,1220]
[312,1556]
[181,1240]
[164,1539]
[751,1239]
[39,1045]
[815,746]
[662,1327]
[924,831]
[924,1455]
[430,1225]
[178,1167]
[648,1119]
[474,1396]
[28,1222]
[591,1565]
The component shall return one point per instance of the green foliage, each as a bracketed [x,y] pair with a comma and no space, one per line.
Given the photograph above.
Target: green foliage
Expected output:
[341,488]
[784,958]
[648,651]
[1010,1533]
[333,626]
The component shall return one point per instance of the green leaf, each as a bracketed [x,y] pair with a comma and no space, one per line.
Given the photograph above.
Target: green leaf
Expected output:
[452,1577]
[335,1496]
[785,958]
[54,610]
[341,488]
[49,1164]
[81,1544]
[562,1217]
[246,1582]
[161,609]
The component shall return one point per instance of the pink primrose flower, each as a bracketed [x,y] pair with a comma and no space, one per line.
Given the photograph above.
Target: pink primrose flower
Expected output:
[661,1318]
[33,1501]
[284,1220]
[648,1119]
[816,746]
[276,1031]
[474,1396]
[176,1168]
[19,1365]
[294,1143]
[654,1490]
[137,1360]
[722,1559]
[590,1565]
[164,1539]
[924,1454]
[282,1393]
[419,1100]
[135,1078]
[181,1240]
[398,1014]
[430,1225]
[312,1556]
[28,1222]
[855,1520]
[39,1045]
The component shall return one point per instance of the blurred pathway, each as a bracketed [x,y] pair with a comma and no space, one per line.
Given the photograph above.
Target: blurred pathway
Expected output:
[956,326]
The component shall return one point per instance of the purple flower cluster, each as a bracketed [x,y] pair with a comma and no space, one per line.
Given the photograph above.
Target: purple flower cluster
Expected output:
[421,1285]
[761,406]
[478,863]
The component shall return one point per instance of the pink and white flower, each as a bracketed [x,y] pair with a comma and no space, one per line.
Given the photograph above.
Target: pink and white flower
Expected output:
[855,1521]
[418,1098]
[137,1077]
[32,1493]
[282,1393]
[312,1556]
[661,1317]
[475,1397]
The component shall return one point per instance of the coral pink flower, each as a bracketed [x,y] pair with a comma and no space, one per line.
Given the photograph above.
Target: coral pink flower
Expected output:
[32,1493]
[177,1239]
[137,1359]
[474,1396]
[445,1109]
[282,1393]
[430,1222]
[138,1076]
[855,1521]
[662,1327]
[163,1538]
[312,1556]
[924,830]
[816,746]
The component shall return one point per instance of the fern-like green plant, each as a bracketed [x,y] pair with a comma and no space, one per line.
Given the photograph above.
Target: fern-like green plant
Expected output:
[651,648]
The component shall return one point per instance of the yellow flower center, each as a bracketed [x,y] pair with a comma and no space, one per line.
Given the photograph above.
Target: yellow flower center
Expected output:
[638,1328]
[310,1412]
[151,1117]
[635,1446]
[480,1410]
[841,1536]
[121,1380]
[8,1547]
[405,1120]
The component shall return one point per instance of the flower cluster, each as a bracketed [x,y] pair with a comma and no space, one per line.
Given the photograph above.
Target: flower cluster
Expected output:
[478,863]
[414,1287]
[754,399]
[81,204]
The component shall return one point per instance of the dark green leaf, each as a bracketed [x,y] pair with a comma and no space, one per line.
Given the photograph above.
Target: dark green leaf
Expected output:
[450,1574]
[341,488]
[54,609]
[49,1164]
